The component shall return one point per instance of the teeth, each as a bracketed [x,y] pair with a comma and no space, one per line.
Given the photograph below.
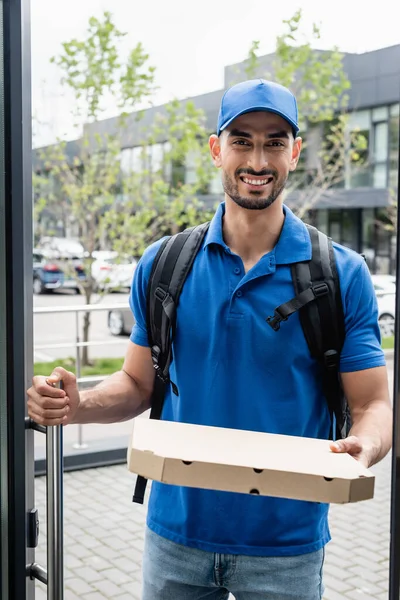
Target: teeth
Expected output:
[256,181]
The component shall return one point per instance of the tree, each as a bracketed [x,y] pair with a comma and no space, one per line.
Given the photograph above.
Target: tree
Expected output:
[156,199]
[319,83]
[83,186]
[124,208]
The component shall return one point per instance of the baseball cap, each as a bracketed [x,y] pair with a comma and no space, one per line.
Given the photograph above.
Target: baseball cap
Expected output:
[257,95]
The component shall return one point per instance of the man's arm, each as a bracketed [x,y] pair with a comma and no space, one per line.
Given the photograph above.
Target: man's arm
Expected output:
[123,395]
[120,397]
[367,393]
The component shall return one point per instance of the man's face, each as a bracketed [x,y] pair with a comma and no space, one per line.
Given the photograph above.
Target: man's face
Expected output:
[255,153]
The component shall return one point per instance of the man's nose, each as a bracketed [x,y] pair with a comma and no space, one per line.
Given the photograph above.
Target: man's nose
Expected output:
[258,160]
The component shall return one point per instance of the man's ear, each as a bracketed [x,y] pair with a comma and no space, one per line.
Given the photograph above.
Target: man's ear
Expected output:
[295,153]
[215,150]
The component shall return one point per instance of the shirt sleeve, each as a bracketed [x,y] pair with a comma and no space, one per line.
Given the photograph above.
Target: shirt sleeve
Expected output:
[138,295]
[362,346]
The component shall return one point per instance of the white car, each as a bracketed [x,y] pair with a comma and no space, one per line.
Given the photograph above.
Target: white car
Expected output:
[385,290]
[112,272]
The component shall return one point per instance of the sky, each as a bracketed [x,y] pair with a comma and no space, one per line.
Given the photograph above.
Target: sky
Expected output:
[189,42]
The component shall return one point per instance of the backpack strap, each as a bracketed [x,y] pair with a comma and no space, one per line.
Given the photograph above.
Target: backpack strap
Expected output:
[318,300]
[170,268]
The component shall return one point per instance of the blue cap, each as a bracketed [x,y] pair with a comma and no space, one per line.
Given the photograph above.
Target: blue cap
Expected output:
[255,95]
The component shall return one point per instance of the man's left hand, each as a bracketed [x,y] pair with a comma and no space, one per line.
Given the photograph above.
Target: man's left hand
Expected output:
[353,446]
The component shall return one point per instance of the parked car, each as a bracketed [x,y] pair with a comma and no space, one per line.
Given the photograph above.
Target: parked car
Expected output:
[120,321]
[385,290]
[48,274]
[58,247]
[112,272]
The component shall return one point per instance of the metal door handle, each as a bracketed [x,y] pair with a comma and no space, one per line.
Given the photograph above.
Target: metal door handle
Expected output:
[54,577]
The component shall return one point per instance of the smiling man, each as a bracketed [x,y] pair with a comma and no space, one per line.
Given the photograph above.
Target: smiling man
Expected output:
[233,370]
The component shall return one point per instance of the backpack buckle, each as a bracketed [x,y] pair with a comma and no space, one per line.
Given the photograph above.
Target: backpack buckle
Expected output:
[276,320]
[160,294]
[155,354]
[331,359]
[321,289]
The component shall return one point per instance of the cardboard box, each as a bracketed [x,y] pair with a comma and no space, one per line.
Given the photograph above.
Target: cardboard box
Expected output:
[247,462]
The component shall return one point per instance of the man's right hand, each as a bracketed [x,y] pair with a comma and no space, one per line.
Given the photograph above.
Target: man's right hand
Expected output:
[49,405]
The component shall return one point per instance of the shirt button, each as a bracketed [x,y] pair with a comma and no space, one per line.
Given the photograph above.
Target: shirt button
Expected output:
[236,271]
[239,293]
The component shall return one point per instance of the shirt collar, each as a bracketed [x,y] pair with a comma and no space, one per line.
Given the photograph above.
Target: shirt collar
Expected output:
[294,244]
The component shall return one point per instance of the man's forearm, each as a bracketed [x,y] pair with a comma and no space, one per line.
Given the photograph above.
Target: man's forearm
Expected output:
[116,399]
[374,427]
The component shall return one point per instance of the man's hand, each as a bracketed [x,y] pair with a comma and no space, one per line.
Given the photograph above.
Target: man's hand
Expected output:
[48,405]
[355,447]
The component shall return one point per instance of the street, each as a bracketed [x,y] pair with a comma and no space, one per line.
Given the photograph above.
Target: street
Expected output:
[60,327]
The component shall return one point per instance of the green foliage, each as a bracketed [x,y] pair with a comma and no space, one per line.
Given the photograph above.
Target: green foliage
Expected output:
[318,81]
[93,69]
[155,202]
[315,77]
[100,366]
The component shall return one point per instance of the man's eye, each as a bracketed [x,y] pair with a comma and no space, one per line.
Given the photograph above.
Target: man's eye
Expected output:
[241,143]
[275,143]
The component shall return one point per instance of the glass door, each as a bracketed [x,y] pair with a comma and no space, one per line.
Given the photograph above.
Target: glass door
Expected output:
[16,443]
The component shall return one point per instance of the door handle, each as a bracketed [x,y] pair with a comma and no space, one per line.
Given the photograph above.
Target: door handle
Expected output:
[54,576]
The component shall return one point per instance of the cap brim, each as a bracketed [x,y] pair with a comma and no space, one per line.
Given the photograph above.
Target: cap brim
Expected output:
[294,125]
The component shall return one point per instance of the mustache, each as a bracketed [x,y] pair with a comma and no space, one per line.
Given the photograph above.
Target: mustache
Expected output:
[263,173]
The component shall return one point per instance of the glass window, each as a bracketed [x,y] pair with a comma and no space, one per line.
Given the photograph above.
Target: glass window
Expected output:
[126,160]
[360,119]
[156,157]
[368,236]
[334,225]
[380,113]
[380,176]
[395,110]
[322,220]
[190,172]
[216,184]
[393,148]
[137,159]
[381,139]
[359,174]
[350,229]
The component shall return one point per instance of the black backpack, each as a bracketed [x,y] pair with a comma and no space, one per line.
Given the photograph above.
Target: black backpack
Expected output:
[317,299]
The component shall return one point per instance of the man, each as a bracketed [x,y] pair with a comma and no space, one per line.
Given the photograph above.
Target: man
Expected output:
[232,370]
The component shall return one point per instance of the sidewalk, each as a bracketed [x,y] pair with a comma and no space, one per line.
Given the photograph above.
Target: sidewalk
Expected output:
[104,539]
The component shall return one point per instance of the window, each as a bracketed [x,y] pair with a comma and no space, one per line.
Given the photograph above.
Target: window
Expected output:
[381,135]
[380,113]
[393,146]
[350,233]
[380,154]
[359,174]
[322,220]
[216,184]
[126,160]
[360,119]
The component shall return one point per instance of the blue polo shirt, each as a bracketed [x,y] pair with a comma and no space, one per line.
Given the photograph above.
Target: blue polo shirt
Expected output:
[232,370]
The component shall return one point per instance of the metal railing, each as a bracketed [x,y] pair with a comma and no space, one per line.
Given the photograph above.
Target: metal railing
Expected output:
[83,382]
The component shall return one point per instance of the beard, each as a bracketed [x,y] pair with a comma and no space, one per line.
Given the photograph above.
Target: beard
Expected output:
[255,200]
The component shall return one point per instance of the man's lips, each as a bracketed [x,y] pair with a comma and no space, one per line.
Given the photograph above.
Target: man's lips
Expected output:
[256,181]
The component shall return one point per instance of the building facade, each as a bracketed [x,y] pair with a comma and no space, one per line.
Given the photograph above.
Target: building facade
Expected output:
[358,209]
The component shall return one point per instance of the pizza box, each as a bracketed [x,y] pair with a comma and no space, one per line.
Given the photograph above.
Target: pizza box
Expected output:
[248,462]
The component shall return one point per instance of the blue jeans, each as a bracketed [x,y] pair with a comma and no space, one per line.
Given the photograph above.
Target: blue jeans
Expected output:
[175,572]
